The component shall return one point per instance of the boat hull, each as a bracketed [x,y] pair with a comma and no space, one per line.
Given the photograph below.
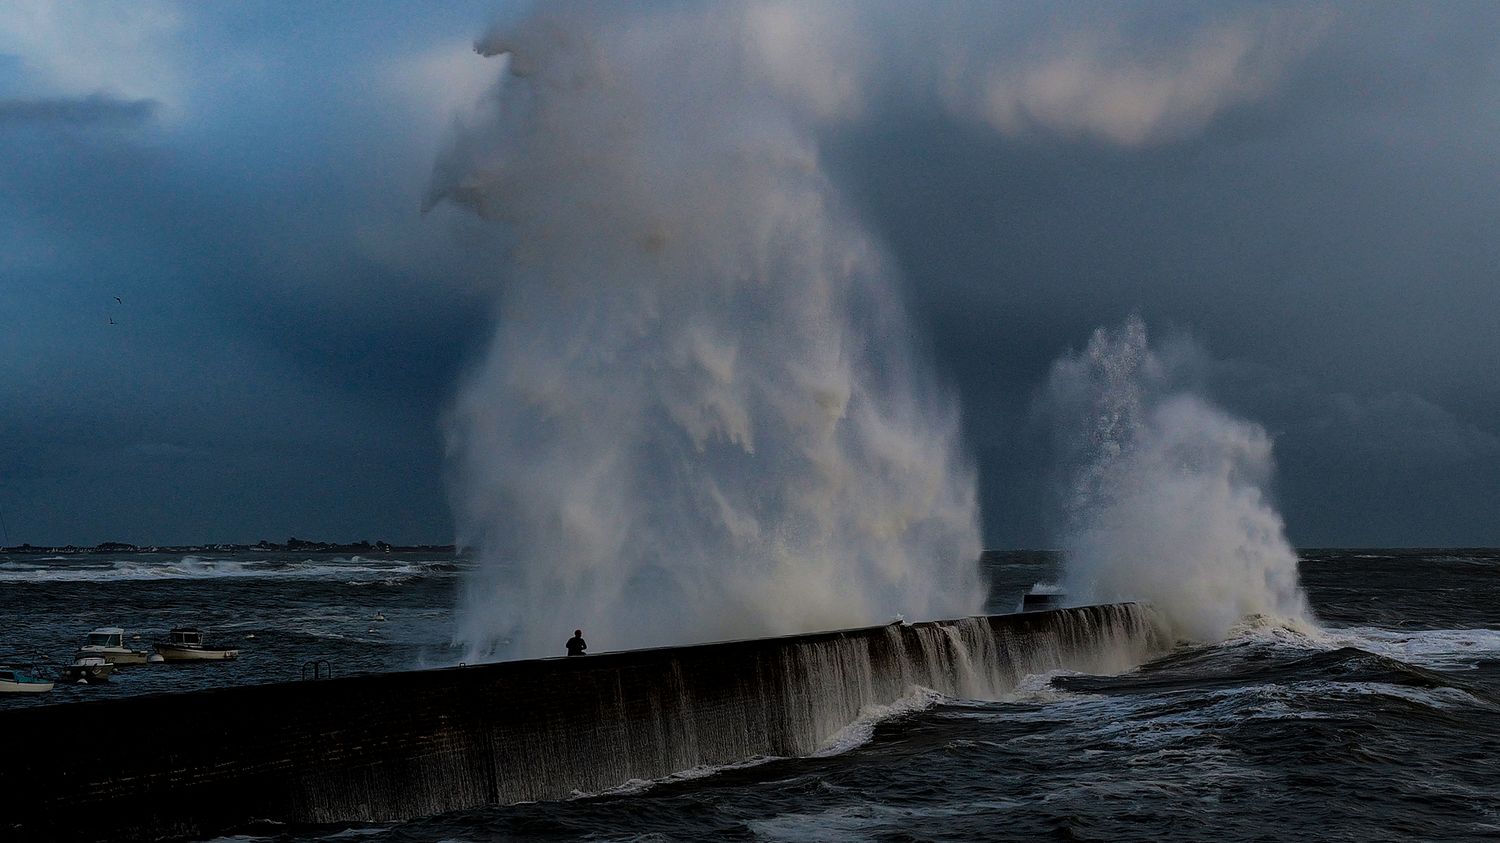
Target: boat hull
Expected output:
[173,653]
[9,687]
[93,674]
[115,656]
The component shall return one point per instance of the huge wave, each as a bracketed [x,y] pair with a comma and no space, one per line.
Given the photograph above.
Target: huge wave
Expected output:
[701,414]
[1166,494]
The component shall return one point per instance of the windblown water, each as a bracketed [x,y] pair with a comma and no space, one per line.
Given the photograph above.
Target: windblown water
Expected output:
[702,414]
[1168,495]
[1386,724]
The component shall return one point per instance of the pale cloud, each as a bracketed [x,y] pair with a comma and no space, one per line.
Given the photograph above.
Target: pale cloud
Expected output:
[1024,70]
[123,50]
[1099,83]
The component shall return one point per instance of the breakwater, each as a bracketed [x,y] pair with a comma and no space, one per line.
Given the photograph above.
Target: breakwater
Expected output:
[381,747]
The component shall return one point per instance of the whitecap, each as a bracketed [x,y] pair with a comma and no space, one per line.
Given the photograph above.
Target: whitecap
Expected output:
[1441,649]
[859,732]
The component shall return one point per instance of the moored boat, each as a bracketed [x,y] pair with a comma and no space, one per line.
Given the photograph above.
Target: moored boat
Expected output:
[90,669]
[15,680]
[108,643]
[185,644]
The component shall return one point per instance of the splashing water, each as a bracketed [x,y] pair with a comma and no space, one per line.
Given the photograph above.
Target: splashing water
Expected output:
[1167,498]
[700,415]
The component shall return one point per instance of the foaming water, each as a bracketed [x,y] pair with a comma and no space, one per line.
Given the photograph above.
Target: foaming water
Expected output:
[145,568]
[280,609]
[1447,649]
[862,729]
[701,415]
[1381,725]
[1167,500]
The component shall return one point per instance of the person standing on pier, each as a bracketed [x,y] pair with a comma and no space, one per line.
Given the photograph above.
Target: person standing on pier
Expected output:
[576,644]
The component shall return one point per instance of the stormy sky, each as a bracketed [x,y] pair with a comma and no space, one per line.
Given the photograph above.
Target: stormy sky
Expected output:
[1308,193]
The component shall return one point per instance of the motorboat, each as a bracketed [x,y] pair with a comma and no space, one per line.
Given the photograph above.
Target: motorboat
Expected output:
[15,680]
[108,643]
[185,644]
[92,670]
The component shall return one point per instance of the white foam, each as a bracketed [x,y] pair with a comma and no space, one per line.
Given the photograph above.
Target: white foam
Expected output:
[701,415]
[1439,649]
[860,732]
[1291,633]
[1039,688]
[1168,499]
[208,568]
[1442,649]
[1154,723]
[1437,698]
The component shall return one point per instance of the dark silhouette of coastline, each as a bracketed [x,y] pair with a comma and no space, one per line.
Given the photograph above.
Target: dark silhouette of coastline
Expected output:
[293,545]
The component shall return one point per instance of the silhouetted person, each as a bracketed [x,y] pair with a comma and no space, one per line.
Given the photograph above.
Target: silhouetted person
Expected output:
[576,644]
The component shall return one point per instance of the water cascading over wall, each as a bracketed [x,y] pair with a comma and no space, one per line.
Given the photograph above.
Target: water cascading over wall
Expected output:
[385,747]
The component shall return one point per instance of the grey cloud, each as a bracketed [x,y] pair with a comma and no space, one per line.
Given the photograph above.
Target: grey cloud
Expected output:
[1403,426]
[98,109]
[1124,76]
[1310,193]
[1128,88]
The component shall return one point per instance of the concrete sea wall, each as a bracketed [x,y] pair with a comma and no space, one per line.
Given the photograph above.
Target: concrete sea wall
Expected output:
[382,747]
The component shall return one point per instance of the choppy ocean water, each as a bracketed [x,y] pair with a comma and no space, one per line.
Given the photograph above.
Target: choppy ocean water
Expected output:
[1386,726]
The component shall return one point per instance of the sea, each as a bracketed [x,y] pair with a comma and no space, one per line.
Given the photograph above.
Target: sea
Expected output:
[1385,725]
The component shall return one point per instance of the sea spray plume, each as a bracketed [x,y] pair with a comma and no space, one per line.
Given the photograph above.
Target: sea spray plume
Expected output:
[700,415]
[1166,500]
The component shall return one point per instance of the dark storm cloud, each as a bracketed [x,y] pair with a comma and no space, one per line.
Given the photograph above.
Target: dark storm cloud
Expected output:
[1325,240]
[278,352]
[1308,191]
[95,109]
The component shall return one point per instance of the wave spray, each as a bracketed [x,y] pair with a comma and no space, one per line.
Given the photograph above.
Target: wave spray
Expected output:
[1166,499]
[700,415]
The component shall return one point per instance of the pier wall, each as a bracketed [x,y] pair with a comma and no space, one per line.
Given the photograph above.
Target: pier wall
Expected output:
[383,747]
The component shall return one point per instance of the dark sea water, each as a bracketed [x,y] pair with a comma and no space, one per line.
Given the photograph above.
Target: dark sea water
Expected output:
[1385,726]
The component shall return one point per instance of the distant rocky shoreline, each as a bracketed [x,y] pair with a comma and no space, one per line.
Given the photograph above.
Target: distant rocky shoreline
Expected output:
[293,545]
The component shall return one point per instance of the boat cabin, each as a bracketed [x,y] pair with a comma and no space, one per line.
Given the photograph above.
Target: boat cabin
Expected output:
[14,680]
[186,637]
[110,636]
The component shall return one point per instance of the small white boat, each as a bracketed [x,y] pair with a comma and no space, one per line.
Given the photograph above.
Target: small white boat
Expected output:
[92,670]
[185,644]
[14,680]
[108,643]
